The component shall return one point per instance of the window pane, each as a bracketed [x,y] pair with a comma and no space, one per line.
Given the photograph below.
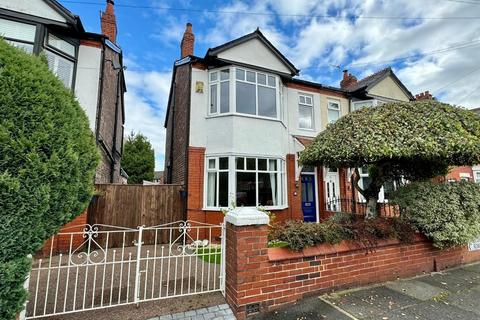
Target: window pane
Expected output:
[213,98]
[305,117]
[211,189]
[240,163]
[308,100]
[361,105]
[211,163]
[223,189]
[366,182]
[308,169]
[333,115]
[251,165]
[262,164]
[61,67]
[61,45]
[246,189]
[225,97]
[388,189]
[302,99]
[213,76]
[223,163]
[250,76]
[28,48]
[267,189]
[241,74]
[271,81]
[267,105]
[245,98]
[17,30]
[262,79]
[333,105]
[272,165]
[224,74]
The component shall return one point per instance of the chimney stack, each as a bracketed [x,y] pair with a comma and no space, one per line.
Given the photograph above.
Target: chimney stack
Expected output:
[109,23]
[348,79]
[424,96]
[188,41]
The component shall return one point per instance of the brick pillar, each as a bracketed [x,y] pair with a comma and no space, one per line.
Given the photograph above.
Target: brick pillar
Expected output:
[246,259]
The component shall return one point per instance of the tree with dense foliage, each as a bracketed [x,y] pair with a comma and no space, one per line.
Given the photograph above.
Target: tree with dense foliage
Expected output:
[138,158]
[48,158]
[410,140]
[447,213]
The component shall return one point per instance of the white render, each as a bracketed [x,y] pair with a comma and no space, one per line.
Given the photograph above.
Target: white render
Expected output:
[37,8]
[87,81]
[247,216]
[387,88]
[254,53]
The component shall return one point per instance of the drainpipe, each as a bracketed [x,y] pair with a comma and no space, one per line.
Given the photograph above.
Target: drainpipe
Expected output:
[114,144]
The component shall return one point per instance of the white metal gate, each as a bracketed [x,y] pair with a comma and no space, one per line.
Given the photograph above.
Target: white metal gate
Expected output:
[106,266]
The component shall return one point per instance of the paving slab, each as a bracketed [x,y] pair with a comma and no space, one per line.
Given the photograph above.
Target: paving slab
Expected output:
[372,302]
[472,268]
[309,309]
[454,280]
[467,300]
[415,289]
[430,310]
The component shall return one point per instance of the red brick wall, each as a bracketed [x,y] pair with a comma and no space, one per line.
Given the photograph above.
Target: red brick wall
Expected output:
[455,172]
[277,276]
[61,243]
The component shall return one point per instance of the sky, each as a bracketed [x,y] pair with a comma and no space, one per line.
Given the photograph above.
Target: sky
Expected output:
[430,44]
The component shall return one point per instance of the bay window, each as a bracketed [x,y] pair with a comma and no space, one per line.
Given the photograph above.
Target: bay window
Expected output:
[305,112]
[357,105]
[253,93]
[333,110]
[254,182]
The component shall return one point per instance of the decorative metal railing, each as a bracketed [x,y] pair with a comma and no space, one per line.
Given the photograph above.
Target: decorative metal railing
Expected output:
[347,205]
[186,258]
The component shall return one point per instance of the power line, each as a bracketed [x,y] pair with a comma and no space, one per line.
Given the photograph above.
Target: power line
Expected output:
[468,95]
[465,1]
[457,80]
[274,14]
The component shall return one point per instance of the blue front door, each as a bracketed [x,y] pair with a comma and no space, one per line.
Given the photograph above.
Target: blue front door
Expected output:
[309,206]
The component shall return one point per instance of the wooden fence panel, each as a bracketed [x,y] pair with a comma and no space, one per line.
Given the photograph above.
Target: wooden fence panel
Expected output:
[135,205]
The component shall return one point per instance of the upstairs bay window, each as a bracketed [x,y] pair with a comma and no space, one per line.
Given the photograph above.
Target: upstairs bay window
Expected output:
[254,182]
[21,35]
[333,110]
[242,91]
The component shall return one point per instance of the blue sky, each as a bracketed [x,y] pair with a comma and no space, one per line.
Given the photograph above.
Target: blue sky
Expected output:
[425,42]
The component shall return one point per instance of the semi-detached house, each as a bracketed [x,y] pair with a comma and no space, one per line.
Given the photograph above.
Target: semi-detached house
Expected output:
[237,119]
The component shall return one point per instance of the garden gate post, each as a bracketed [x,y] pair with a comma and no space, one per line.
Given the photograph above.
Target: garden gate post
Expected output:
[246,259]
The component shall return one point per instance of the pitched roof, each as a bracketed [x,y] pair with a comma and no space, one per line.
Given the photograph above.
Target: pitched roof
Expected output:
[370,81]
[257,34]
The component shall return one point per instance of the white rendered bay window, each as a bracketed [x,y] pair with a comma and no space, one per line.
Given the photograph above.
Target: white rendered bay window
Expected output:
[254,182]
[242,91]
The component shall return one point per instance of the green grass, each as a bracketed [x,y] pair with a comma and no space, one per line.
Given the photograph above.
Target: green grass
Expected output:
[210,254]
[277,244]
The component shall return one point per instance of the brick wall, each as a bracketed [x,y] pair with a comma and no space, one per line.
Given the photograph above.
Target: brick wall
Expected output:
[176,146]
[456,172]
[276,276]
[107,127]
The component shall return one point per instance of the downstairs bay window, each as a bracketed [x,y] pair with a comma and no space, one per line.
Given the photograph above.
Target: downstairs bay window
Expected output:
[245,181]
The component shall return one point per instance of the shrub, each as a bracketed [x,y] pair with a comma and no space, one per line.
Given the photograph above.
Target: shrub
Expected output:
[449,214]
[47,163]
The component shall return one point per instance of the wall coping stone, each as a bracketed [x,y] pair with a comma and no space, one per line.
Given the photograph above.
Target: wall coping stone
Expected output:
[247,216]
[280,254]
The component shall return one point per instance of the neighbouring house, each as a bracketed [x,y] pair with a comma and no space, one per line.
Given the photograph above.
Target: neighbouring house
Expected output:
[237,119]
[158,177]
[89,64]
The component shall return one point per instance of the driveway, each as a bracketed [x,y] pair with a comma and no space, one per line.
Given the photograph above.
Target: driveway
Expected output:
[452,294]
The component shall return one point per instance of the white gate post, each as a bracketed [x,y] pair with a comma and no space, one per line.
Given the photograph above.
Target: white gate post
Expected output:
[137,267]
[223,246]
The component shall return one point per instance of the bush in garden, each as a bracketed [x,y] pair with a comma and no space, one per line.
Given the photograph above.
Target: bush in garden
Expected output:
[47,163]
[449,214]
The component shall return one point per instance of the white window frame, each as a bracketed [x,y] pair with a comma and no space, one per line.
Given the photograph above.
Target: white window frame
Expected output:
[233,93]
[232,181]
[217,172]
[476,176]
[330,106]
[355,103]
[218,82]
[306,96]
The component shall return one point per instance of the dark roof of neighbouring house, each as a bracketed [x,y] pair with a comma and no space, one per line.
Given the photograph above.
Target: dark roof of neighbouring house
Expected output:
[157,175]
[476,110]
[370,81]
[257,34]
[305,141]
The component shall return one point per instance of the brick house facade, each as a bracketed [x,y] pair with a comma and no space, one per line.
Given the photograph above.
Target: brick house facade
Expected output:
[88,63]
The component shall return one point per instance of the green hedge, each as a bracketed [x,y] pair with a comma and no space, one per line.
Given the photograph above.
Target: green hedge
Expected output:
[13,274]
[449,214]
[48,158]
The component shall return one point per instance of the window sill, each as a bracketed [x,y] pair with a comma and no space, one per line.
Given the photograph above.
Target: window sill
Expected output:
[269,208]
[242,115]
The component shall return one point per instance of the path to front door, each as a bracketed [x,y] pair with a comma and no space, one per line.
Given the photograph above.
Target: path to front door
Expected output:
[309,205]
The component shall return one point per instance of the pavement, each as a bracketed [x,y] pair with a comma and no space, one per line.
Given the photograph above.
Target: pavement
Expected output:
[448,295]
[220,312]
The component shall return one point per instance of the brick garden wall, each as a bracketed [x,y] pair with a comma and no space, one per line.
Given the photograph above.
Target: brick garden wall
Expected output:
[276,276]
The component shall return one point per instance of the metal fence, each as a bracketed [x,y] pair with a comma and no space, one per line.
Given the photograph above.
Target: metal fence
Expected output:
[353,206]
[94,275]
